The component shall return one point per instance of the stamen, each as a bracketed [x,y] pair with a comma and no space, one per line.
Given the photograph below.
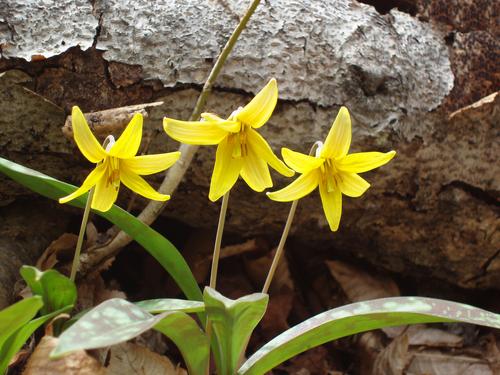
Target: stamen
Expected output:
[235,139]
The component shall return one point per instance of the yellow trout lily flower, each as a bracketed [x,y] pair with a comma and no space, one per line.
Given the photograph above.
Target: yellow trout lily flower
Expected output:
[116,163]
[331,169]
[241,150]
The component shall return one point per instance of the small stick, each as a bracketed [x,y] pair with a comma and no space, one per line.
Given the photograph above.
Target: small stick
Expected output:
[108,121]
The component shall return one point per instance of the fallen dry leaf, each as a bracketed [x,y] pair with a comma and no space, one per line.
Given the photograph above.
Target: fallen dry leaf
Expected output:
[492,353]
[76,363]
[421,335]
[438,363]
[250,246]
[275,320]
[131,358]
[368,347]
[313,362]
[258,268]
[65,245]
[393,359]
[359,285]
[92,291]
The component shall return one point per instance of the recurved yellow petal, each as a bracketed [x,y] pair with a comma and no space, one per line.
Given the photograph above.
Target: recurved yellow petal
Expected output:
[257,112]
[338,141]
[128,144]
[299,188]
[351,184]
[85,140]
[263,150]
[332,205]
[227,125]
[104,195]
[90,181]
[208,116]
[300,162]
[226,170]
[139,185]
[194,132]
[149,164]
[364,161]
[255,172]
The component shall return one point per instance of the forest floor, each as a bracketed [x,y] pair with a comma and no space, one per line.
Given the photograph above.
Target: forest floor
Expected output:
[308,281]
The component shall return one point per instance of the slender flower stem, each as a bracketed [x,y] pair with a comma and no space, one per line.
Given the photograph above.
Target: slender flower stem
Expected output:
[218,241]
[281,246]
[284,236]
[79,242]
[215,259]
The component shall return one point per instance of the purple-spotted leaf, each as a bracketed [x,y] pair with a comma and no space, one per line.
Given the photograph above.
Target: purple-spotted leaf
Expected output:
[155,306]
[112,322]
[189,338]
[361,317]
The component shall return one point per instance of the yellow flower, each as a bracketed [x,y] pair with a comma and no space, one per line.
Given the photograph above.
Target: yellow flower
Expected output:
[241,149]
[117,163]
[332,169]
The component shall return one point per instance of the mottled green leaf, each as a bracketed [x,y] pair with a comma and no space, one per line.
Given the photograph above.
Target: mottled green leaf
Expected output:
[360,317]
[16,340]
[17,315]
[157,245]
[112,322]
[155,306]
[56,290]
[189,338]
[233,321]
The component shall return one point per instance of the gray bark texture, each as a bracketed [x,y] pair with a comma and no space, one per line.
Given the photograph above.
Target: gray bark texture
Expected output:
[431,212]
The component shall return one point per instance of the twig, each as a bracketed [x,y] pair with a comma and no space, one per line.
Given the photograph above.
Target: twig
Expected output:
[108,121]
[176,173]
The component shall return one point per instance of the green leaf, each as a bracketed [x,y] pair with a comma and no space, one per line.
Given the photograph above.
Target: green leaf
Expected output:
[157,245]
[16,341]
[17,315]
[112,322]
[361,317]
[57,290]
[233,322]
[155,306]
[189,338]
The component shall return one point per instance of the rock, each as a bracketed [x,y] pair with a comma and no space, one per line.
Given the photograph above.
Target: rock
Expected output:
[25,232]
[431,212]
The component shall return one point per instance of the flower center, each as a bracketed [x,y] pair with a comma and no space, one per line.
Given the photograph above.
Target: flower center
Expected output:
[113,172]
[239,142]
[329,174]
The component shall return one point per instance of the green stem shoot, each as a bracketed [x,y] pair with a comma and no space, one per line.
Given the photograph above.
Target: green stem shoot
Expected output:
[218,241]
[79,242]
[284,236]
[280,248]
